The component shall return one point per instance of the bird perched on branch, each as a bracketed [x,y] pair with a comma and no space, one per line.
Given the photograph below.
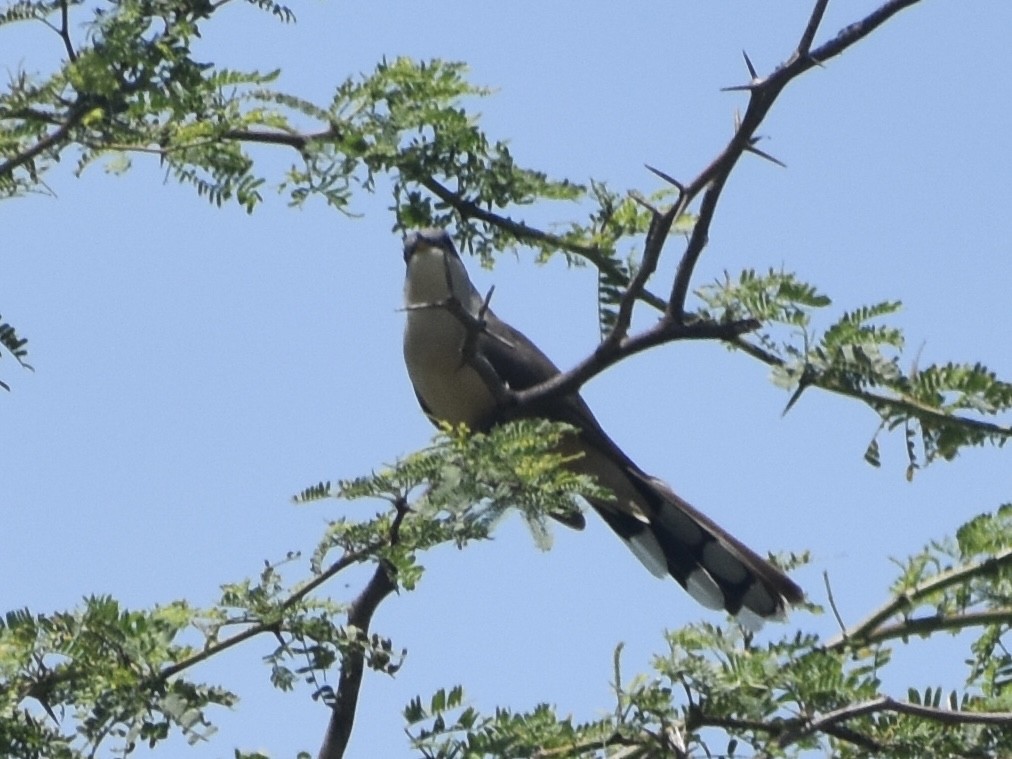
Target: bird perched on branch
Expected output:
[461,358]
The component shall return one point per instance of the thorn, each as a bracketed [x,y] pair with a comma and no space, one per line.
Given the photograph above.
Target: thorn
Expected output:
[484,306]
[751,68]
[803,384]
[767,156]
[794,399]
[739,87]
[666,177]
[644,202]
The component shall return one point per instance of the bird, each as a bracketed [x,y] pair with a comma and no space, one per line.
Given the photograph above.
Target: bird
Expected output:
[667,534]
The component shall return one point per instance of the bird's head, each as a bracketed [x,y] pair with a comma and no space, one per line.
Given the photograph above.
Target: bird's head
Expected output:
[434,269]
[428,240]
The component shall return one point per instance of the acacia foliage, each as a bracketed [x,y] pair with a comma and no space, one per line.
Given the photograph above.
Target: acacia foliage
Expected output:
[102,677]
[123,81]
[126,85]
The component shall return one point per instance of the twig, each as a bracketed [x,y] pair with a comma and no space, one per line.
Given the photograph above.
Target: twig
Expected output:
[659,230]
[877,400]
[342,716]
[889,704]
[813,26]
[924,626]
[638,198]
[52,139]
[616,664]
[832,603]
[869,628]
[522,231]
[698,239]
[64,30]
[341,564]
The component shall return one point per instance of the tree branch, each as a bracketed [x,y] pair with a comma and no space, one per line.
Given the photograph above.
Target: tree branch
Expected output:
[774,728]
[710,182]
[889,704]
[924,626]
[654,245]
[523,231]
[342,715]
[341,564]
[870,629]
[664,331]
[51,140]
[909,406]
[813,26]
[763,94]
[64,30]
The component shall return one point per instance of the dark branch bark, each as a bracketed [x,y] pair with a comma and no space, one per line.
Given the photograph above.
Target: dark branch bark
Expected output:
[50,141]
[925,626]
[342,715]
[665,331]
[710,182]
[64,30]
[813,26]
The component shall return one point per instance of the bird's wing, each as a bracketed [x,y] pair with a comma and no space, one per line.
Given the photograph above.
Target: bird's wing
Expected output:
[521,365]
[665,532]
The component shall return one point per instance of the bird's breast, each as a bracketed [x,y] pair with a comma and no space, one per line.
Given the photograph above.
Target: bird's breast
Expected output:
[447,384]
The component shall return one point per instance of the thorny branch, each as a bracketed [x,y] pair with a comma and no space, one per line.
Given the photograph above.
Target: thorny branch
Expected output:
[710,182]
[468,209]
[674,324]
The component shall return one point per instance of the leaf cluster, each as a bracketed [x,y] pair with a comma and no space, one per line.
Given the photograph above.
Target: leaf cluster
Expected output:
[940,408]
[136,86]
[71,682]
[97,670]
[459,488]
[716,691]
[14,345]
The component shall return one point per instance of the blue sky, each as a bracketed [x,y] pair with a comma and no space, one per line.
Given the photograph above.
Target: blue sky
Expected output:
[196,366]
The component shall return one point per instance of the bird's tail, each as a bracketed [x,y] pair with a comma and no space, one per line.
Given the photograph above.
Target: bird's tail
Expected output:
[717,569]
